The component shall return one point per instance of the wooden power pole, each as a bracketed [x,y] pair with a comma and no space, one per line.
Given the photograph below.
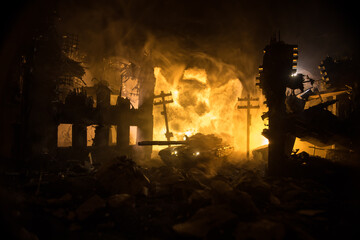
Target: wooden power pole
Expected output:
[248,107]
[162,95]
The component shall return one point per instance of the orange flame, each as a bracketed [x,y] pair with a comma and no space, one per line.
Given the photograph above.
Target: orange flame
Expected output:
[198,107]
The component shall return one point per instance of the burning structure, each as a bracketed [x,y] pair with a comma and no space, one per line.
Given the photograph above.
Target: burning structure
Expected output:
[75,106]
[57,109]
[315,124]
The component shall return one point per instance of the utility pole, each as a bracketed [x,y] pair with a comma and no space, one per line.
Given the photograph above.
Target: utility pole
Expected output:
[248,107]
[162,95]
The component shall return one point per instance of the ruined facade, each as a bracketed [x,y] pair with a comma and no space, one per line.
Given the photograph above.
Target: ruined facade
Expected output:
[48,97]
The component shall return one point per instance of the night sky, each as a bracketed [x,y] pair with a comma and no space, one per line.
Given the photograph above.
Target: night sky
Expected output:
[232,32]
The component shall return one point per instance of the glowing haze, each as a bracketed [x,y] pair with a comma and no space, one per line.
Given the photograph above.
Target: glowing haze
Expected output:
[199,107]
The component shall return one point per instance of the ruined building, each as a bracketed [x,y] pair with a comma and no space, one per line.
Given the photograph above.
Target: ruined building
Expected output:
[48,94]
[111,123]
[330,121]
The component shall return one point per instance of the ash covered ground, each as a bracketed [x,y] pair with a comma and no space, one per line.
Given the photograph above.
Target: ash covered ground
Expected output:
[228,199]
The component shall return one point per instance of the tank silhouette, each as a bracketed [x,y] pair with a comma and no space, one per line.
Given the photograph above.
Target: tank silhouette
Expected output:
[195,149]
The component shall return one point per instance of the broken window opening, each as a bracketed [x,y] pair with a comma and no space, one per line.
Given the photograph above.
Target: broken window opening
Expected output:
[90,135]
[64,135]
[113,99]
[113,135]
[133,135]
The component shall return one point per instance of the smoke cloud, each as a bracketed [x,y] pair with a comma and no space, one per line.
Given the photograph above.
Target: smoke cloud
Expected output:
[224,37]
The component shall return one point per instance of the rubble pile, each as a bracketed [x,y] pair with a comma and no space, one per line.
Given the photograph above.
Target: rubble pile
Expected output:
[121,200]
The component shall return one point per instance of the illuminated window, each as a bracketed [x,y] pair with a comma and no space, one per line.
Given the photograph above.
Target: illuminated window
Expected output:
[112,135]
[90,135]
[64,135]
[133,135]
[113,99]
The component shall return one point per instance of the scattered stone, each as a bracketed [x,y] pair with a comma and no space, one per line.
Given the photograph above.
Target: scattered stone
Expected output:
[24,234]
[260,230]
[122,175]
[200,198]
[242,204]
[233,202]
[274,200]
[204,220]
[105,226]
[75,227]
[253,184]
[310,212]
[166,175]
[89,207]
[119,200]
[59,213]
[71,215]
[220,186]
[60,201]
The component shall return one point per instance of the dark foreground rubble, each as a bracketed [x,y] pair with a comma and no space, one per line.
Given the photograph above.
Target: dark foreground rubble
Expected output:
[121,200]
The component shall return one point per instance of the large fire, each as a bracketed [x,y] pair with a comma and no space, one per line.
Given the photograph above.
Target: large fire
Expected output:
[199,107]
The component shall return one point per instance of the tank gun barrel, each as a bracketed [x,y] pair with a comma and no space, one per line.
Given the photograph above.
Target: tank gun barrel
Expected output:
[150,143]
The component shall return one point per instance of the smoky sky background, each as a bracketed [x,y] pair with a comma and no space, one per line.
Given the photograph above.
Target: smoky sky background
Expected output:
[182,32]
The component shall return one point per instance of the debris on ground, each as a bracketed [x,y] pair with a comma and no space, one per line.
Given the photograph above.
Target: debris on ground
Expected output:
[122,200]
